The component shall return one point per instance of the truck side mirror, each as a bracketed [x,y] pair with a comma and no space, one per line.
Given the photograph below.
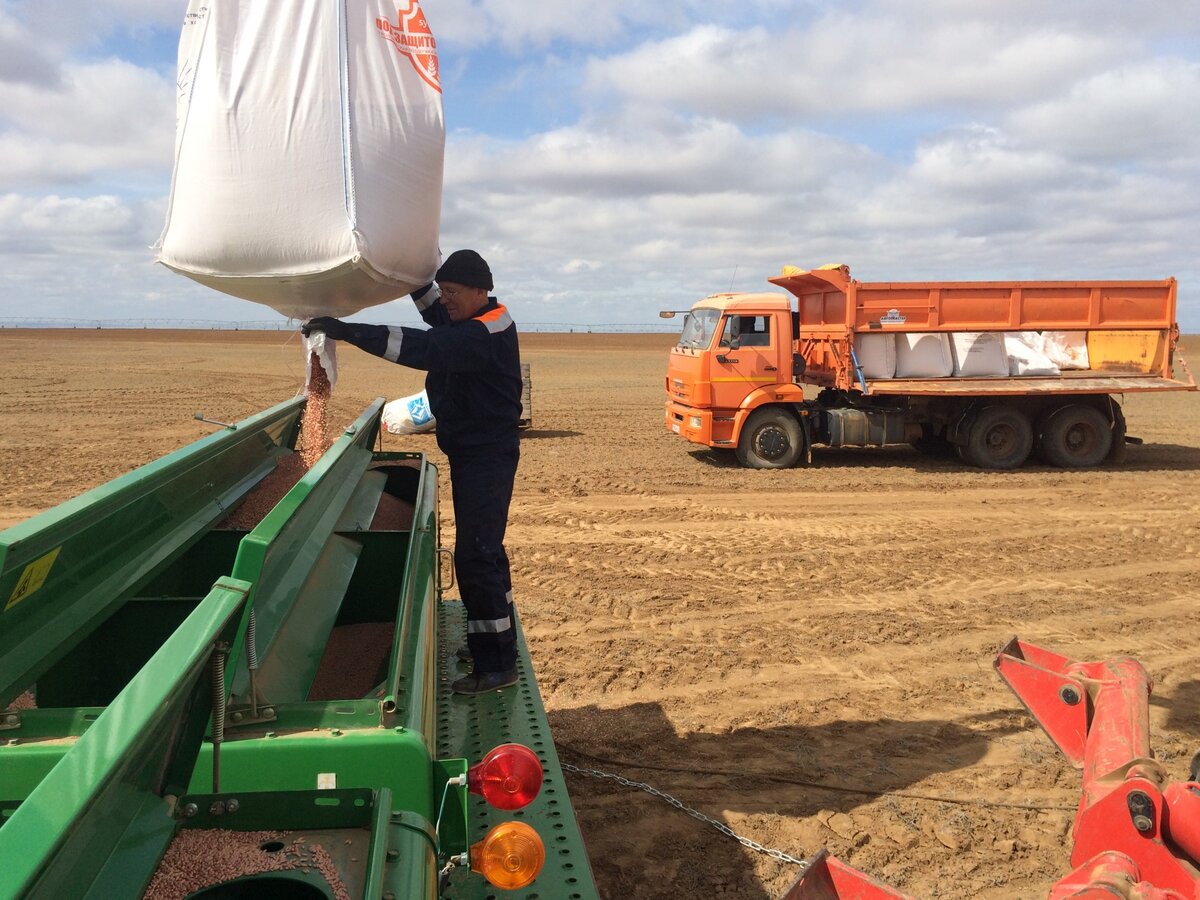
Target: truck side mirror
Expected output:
[798,366]
[735,342]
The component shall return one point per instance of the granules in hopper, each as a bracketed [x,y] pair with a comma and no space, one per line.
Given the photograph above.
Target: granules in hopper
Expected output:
[314,430]
[24,701]
[355,660]
[314,441]
[199,858]
[392,514]
[268,492]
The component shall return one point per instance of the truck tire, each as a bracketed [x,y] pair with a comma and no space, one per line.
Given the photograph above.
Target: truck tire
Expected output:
[770,439]
[1076,436]
[1001,437]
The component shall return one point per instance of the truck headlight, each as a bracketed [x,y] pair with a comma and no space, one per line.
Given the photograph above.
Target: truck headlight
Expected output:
[694,421]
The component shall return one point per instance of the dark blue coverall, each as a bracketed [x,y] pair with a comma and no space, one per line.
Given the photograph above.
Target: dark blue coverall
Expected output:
[473,382]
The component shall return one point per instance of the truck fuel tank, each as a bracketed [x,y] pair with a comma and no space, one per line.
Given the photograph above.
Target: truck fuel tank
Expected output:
[845,427]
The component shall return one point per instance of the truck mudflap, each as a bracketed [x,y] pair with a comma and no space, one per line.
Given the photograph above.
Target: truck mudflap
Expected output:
[828,878]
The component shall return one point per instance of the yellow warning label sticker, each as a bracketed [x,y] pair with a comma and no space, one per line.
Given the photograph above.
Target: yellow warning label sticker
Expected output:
[32,578]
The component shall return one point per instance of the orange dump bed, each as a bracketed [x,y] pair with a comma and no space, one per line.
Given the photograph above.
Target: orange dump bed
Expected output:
[831,298]
[1130,328]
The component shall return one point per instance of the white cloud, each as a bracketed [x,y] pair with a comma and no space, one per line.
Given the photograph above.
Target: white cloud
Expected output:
[708,206]
[518,28]
[606,159]
[699,148]
[102,116]
[1134,22]
[887,66]
[59,28]
[77,225]
[1136,112]
[578,266]
[22,59]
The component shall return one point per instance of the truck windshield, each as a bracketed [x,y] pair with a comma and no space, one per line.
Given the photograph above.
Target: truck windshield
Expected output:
[698,328]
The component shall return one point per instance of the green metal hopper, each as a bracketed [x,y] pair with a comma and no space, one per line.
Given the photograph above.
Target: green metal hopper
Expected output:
[194,680]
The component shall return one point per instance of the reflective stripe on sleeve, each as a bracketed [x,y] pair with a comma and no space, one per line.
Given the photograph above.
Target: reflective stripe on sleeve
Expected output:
[395,336]
[427,299]
[488,626]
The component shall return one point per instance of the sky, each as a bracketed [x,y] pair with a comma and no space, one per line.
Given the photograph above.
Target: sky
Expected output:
[614,159]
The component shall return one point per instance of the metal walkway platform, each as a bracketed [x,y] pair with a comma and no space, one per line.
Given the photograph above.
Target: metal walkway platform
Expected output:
[469,727]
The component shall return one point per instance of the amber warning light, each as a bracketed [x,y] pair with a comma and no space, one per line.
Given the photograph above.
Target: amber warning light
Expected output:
[510,856]
[509,777]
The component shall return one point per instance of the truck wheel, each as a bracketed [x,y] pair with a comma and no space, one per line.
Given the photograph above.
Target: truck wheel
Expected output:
[1001,438]
[770,439]
[1076,436]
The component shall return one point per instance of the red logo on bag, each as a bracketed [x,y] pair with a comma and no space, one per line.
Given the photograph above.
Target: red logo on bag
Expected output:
[411,36]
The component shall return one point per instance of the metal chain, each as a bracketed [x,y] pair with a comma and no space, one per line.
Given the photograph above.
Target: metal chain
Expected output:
[694,813]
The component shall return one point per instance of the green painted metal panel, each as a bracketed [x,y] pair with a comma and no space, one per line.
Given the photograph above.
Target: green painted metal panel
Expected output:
[91,674]
[451,820]
[412,873]
[298,585]
[395,758]
[117,779]
[412,682]
[283,810]
[65,570]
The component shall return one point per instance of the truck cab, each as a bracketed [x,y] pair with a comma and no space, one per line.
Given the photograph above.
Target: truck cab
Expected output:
[735,354]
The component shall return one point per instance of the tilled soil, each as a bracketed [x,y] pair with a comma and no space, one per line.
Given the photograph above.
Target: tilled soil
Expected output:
[804,656]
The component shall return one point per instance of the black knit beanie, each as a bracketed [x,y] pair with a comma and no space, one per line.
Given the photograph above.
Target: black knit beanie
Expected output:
[466,267]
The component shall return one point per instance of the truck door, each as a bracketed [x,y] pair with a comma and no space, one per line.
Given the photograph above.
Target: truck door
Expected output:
[746,357]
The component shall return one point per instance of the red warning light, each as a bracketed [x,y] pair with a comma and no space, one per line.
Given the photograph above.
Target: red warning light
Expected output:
[509,777]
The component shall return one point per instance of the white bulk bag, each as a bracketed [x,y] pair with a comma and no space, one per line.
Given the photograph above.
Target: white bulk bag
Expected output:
[978,354]
[408,415]
[923,355]
[1025,356]
[308,153]
[876,354]
[1066,349]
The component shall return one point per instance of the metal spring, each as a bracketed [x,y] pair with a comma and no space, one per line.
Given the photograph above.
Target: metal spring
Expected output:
[251,647]
[252,661]
[218,710]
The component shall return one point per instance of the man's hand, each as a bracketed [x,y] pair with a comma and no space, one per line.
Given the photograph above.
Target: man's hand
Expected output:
[334,329]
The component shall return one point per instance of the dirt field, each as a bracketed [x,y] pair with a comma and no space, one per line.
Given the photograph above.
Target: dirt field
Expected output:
[804,655]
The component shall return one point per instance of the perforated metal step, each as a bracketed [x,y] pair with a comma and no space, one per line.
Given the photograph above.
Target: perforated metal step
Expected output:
[471,726]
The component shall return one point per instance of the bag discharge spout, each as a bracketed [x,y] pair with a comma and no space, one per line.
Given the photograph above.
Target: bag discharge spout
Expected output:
[308,153]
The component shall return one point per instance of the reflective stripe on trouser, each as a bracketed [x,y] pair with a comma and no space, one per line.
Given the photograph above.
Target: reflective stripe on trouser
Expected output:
[481,487]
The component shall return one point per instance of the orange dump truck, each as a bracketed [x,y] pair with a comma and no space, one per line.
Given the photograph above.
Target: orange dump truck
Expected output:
[992,371]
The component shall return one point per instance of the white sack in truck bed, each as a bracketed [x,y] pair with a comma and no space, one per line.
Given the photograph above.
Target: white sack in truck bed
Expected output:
[979,354]
[923,355]
[308,153]
[876,354]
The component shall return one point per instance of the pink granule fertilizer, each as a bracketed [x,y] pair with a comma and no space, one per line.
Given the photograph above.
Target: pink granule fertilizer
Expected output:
[314,441]
[314,430]
[200,858]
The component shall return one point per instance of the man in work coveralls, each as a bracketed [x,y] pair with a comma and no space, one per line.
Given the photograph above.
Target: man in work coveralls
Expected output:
[474,386]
